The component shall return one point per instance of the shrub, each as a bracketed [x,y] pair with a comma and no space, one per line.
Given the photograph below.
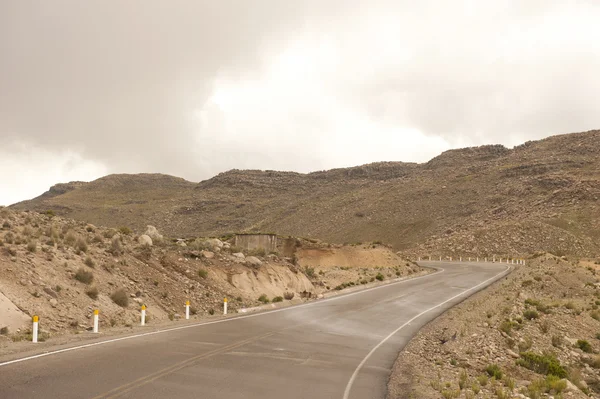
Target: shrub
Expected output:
[584,345]
[9,238]
[92,292]
[81,245]
[556,341]
[531,314]
[120,297]
[493,370]
[125,230]
[202,273]
[570,305]
[462,379]
[32,246]
[116,248]
[506,326]
[526,283]
[288,295]
[277,299]
[84,276]
[211,312]
[110,233]
[546,364]
[525,344]
[89,262]
[310,272]
[263,298]
[379,277]
[482,380]
[4,331]
[595,315]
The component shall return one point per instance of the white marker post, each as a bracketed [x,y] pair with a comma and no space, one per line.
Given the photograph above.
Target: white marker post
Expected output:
[187,310]
[96,311]
[34,335]
[224,306]
[430,258]
[143,322]
[440,258]
[461,258]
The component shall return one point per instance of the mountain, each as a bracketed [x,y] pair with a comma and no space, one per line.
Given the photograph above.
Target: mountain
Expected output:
[488,200]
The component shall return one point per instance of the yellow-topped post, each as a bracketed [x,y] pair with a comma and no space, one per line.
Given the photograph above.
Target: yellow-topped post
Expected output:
[224,306]
[34,335]
[143,321]
[187,310]
[96,312]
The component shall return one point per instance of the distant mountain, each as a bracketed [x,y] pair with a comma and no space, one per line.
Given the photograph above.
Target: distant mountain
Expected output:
[542,195]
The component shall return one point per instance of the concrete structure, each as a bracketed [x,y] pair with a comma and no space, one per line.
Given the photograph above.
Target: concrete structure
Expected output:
[249,242]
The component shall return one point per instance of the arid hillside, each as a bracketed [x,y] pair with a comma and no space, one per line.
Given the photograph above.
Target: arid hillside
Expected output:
[481,201]
[61,270]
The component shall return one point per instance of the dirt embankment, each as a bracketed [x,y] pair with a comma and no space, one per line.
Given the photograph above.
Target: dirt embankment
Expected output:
[534,334]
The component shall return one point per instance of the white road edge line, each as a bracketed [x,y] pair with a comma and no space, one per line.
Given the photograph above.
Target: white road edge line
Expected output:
[362,363]
[213,322]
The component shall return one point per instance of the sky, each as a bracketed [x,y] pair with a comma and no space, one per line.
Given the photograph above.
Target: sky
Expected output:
[195,88]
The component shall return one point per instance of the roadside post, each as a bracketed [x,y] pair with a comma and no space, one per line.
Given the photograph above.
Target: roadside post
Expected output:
[95,330]
[187,310]
[34,335]
[224,306]
[143,320]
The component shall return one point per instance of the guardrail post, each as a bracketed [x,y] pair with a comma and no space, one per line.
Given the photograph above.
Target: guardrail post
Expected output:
[143,319]
[95,330]
[34,334]
[187,310]
[224,306]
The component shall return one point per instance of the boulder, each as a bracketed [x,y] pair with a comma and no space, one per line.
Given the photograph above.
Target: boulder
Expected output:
[145,240]
[239,255]
[253,261]
[53,302]
[50,292]
[213,244]
[153,233]
[208,254]
[181,243]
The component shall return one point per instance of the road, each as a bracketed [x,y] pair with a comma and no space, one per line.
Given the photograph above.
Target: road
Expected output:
[342,347]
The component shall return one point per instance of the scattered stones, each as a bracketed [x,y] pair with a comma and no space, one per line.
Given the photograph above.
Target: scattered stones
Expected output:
[145,240]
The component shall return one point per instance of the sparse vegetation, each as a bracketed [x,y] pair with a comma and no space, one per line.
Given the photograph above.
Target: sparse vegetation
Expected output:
[89,262]
[493,370]
[84,276]
[546,364]
[92,292]
[277,299]
[288,296]
[263,298]
[120,297]
[202,273]
[584,345]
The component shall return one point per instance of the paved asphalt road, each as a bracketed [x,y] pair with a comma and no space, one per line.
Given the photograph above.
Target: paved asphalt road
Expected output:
[343,347]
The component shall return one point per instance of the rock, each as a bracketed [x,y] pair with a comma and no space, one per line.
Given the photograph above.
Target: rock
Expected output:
[570,386]
[239,255]
[50,292]
[208,254]
[145,240]
[138,300]
[153,233]
[253,261]
[53,302]
[213,244]
[181,243]
[512,354]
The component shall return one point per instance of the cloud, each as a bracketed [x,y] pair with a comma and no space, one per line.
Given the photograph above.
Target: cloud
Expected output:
[196,88]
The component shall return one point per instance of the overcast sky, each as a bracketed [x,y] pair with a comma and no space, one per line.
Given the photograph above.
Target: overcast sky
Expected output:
[194,88]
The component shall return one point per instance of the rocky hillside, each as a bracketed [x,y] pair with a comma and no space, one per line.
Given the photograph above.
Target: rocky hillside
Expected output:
[62,269]
[482,201]
[534,334]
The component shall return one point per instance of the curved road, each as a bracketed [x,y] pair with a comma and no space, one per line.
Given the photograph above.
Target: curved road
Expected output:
[343,347]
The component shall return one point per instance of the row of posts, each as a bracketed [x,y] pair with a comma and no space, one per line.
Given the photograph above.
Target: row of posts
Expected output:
[510,261]
[36,319]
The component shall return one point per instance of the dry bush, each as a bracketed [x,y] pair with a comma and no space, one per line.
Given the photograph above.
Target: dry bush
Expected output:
[288,295]
[120,297]
[84,276]
[92,292]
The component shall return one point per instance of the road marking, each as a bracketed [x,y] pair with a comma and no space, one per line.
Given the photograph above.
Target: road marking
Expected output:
[362,363]
[108,341]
